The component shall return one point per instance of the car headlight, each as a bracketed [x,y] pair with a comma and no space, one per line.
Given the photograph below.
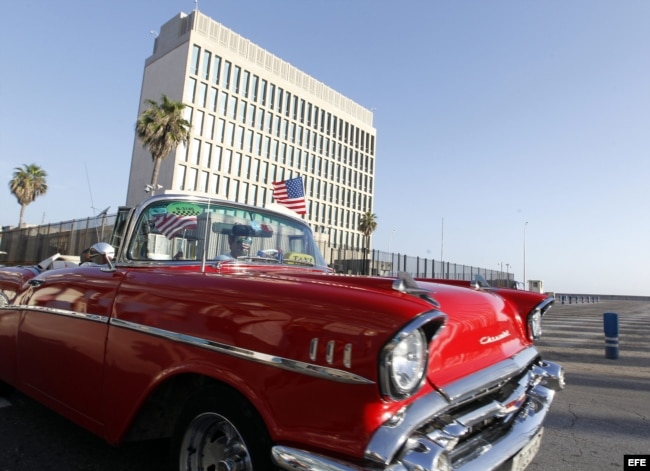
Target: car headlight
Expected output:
[535,325]
[403,364]
[535,318]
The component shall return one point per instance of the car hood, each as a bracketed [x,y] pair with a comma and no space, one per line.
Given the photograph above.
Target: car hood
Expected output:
[482,326]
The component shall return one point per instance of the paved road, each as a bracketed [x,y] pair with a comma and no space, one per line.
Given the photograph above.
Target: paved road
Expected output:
[603,414]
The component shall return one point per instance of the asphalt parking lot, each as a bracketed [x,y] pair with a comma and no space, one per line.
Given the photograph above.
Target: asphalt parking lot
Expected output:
[604,412]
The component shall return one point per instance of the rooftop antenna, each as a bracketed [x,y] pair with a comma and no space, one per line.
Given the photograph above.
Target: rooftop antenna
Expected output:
[104,212]
[196,5]
[92,204]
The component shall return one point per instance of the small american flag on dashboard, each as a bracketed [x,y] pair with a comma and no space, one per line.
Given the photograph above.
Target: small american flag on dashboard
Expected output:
[291,194]
[171,224]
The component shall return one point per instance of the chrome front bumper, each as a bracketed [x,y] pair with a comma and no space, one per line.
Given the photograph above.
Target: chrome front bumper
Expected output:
[511,401]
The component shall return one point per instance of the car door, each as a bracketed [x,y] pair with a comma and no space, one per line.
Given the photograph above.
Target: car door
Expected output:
[62,339]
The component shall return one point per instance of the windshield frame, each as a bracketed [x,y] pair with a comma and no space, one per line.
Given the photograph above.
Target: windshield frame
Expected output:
[261,223]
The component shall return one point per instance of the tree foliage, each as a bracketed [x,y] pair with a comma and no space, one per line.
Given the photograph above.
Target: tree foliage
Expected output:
[367,225]
[28,183]
[162,128]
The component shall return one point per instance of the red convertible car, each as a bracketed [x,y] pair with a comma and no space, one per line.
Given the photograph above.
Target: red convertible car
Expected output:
[220,327]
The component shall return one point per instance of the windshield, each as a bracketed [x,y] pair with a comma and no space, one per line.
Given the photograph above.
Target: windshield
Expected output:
[181,230]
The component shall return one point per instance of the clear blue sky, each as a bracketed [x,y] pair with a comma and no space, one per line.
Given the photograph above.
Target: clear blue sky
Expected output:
[489,114]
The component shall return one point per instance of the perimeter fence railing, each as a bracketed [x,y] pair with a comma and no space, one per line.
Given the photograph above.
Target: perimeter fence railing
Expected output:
[30,245]
[352,261]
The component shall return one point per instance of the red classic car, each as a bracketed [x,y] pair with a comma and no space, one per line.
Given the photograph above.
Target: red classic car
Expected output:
[220,326]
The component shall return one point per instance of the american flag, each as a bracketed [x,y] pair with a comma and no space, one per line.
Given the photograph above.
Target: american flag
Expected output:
[291,194]
[171,224]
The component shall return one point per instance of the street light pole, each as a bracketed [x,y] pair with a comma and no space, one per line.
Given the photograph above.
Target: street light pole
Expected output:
[525,282]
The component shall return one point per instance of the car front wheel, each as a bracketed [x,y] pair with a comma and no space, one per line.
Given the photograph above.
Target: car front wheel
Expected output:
[218,430]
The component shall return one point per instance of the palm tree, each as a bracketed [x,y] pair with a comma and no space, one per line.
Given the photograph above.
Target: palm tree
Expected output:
[27,184]
[367,225]
[161,128]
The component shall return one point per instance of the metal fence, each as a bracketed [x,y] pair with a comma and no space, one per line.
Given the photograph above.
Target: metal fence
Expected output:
[30,245]
[381,263]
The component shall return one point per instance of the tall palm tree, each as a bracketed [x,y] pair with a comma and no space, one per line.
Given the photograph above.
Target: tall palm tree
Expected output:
[161,128]
[27,184]
[367,225]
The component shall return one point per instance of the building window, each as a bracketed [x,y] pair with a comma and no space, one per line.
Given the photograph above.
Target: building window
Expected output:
[214,187]
[234,188]
[244,83]
[254,87]
[241,112]
[209,128]
[190,184]
[271,95]
[259,119]
[279,100]
[257,144]
[223,102]
[227,153]
[254,173]
[252,194]
[217,158]
[263,92]
[190,91]
[239,137]
[194,67]
[221,125]
[207,156]
[250,117]
[202,94]
[196,148]
[180,177]
[198,123]
[235,78]
[236,162]
[212,105]
[230,134]
[287,104]
[205,69]
[225,187]
[226,74]
[232,106]
[243,192]
[248,141]
[216,69]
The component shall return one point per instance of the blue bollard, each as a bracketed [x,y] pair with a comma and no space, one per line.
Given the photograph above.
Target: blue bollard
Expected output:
[610,323]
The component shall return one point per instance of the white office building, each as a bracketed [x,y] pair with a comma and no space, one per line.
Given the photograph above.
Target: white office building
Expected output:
[257,119]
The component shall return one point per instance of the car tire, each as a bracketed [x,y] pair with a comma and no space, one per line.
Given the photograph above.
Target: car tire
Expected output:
[219,429]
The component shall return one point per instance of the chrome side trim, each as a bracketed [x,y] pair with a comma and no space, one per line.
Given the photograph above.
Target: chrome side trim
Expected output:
[310,369]
[59,312]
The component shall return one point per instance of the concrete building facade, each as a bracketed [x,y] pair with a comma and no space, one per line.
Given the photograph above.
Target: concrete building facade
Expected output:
[257,119]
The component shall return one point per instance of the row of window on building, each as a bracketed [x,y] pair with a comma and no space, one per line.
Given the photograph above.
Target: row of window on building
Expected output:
[213,69]
[255,122]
